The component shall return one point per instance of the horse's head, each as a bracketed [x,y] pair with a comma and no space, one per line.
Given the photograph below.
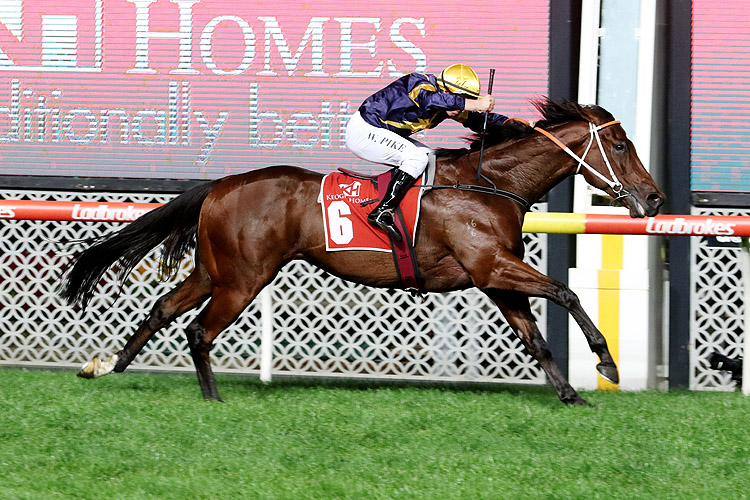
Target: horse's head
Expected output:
[610,162]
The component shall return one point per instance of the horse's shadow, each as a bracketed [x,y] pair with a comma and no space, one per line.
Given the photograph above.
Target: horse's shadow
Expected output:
[240,385]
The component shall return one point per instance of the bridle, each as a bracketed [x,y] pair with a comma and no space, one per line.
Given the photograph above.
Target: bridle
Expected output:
[613,183]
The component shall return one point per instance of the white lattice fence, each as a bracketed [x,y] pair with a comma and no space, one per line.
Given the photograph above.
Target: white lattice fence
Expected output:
[322,325]
[717,306]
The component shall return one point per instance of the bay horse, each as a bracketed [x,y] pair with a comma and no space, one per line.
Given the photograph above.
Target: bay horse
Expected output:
[246,227]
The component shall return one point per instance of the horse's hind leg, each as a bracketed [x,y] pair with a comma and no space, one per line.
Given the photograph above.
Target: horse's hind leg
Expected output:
[515,307]
[222,309]
[188,294]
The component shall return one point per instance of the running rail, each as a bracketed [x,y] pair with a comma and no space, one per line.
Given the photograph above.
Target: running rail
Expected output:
[535,222]
[73,210]
[667,225]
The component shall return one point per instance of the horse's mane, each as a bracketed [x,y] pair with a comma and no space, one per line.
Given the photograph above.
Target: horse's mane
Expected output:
[553,112]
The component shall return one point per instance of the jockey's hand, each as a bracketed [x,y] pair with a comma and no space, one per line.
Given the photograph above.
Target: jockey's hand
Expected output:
[482,103]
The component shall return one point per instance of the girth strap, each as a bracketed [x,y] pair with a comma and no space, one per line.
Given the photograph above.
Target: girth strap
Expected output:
[404,256]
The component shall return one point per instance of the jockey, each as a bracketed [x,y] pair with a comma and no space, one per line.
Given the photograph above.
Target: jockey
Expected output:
[379,131]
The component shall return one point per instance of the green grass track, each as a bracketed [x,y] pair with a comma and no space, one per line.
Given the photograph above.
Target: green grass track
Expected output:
[148,436]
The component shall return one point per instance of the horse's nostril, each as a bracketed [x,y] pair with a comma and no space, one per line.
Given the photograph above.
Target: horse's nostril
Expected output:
[654,200]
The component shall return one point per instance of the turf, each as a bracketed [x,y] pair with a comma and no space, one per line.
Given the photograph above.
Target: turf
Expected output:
[145,436]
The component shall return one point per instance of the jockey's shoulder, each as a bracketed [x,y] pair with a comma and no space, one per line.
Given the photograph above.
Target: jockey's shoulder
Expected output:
[427,77]
[422,79]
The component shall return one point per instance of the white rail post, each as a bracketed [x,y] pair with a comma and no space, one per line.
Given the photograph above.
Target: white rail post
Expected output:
[745,265]
[266,334]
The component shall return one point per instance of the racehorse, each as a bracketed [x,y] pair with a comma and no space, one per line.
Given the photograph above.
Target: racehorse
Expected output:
[246,227]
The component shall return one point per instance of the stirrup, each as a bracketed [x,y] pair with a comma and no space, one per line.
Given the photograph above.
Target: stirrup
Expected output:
[388,225]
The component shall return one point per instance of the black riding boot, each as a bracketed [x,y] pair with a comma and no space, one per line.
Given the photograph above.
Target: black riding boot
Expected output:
[382,215]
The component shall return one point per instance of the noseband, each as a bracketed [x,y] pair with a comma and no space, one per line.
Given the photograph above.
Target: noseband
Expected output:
[614,183]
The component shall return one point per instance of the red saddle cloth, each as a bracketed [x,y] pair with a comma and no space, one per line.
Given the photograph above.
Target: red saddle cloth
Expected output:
[345,218]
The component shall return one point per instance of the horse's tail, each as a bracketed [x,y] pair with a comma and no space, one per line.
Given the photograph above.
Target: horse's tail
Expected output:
[175,224]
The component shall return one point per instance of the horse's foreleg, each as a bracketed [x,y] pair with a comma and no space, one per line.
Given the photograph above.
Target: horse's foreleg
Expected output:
[517,311]
[597,343]
[185,296]
[516,275]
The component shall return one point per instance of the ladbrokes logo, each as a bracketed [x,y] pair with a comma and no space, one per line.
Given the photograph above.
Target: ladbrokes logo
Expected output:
[51,35]
[7,213]
[104,212]
[707,227]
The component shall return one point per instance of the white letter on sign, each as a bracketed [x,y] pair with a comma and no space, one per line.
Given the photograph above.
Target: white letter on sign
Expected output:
[143,34]
[340,227]
[207,51]
[347,45]
[314,34]
[402,43]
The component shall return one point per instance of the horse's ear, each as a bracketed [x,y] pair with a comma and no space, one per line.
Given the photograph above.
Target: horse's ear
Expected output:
[596,114]
[589,113]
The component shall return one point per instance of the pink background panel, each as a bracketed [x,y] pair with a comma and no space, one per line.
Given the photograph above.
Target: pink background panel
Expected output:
[233,94]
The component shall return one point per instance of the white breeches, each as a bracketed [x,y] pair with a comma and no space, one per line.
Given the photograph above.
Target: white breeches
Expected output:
[380,145]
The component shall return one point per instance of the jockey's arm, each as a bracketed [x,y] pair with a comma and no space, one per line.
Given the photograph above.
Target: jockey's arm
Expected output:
[452,103]
[431,101]
[475,121]
[468,112]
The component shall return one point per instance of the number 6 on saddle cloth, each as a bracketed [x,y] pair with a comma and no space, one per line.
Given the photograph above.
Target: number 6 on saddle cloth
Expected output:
[347,198]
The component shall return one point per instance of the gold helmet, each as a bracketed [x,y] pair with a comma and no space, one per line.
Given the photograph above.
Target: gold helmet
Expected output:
[459,79]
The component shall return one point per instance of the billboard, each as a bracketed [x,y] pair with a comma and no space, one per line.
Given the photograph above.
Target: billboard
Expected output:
[199,89]
[720,97]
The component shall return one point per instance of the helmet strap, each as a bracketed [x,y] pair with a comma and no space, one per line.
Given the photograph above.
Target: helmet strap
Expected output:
[447,85]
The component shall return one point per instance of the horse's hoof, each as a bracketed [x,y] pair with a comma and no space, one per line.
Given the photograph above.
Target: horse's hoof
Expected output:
[97,368]
[608,371]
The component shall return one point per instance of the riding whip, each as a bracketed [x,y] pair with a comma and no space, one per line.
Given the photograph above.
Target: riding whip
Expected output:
[484,127]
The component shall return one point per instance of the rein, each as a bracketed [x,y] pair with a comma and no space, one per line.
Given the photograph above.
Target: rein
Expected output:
[486,190]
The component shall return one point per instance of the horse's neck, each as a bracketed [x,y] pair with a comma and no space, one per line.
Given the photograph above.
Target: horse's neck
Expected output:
[532,166]
[526,168]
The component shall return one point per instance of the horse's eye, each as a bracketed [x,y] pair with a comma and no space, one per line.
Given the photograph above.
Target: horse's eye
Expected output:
[620,147]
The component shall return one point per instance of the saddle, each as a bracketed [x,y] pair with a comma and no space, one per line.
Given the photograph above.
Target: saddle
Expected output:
[404,256]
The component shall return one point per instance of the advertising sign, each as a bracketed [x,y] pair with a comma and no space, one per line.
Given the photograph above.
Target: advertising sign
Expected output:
[197,89]
[720,90]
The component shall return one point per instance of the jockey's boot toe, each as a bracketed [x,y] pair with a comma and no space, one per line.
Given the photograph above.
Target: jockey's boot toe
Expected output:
[384,220]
